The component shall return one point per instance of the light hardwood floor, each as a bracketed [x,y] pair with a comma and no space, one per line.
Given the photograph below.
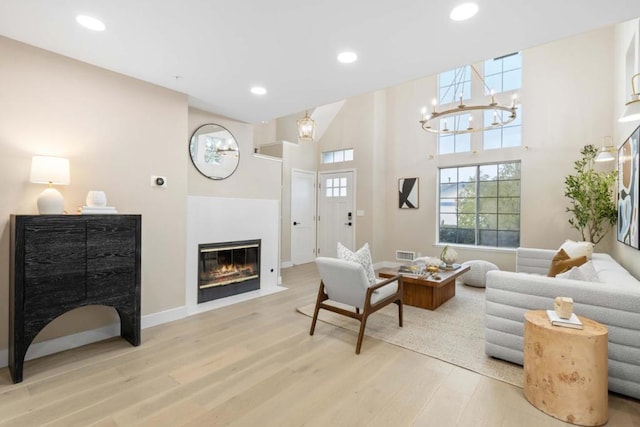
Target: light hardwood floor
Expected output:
[254,364]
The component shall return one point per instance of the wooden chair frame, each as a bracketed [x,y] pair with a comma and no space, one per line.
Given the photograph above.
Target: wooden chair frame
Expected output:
[366,311]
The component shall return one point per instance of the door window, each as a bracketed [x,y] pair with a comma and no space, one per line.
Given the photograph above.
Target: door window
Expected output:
[336,187]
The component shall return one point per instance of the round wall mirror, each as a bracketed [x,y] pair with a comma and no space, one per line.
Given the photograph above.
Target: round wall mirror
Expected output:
[214,151]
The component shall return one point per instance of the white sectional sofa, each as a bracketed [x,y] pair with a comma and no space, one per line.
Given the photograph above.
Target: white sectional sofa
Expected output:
[614,301]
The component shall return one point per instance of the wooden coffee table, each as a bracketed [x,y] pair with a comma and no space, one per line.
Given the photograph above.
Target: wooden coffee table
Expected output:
[427,293]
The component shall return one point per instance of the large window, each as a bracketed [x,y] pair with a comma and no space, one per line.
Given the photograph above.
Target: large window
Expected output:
[509,135]
[454,143]
[503,74]
[480,205]
[453,83]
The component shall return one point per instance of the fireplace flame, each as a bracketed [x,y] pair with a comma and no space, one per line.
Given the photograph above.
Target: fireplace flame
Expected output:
[229,271]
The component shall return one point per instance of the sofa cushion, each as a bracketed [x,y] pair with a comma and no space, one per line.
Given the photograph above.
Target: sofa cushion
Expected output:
[561,262]
[576,249]
[586,272]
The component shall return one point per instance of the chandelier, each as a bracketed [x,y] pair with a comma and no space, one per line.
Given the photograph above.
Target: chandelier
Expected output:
[502,114]
[306,128]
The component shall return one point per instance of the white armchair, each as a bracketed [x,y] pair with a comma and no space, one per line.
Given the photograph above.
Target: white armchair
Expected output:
[346,282]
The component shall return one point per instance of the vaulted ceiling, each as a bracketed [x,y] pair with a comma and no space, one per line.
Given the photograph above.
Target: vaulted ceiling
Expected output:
[215,50]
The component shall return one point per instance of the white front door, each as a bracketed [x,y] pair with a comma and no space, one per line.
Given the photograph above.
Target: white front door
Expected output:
[336,222]
[303,216]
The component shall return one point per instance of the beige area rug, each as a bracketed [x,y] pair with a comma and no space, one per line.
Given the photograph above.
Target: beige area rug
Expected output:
[454,332]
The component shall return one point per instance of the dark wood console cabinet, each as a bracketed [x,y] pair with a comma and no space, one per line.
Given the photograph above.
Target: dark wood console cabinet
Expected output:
[62,262]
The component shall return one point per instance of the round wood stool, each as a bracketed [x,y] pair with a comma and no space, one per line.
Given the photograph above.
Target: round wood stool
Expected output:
[565,369]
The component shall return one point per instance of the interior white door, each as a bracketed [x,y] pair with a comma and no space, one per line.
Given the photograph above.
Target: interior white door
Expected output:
[303,216]
[336,222]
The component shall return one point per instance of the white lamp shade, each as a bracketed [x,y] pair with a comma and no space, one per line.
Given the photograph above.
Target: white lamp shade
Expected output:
[631,111]
[47,169]
[605,156]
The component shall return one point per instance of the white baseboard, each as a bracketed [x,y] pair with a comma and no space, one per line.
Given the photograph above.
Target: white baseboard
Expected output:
[56,345]
[79,339]
[233,299]
[286,264]
[163,317]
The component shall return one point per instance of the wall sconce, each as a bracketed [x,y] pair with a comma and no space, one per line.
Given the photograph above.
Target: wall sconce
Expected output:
[607,152]
[632,108]
[50,170]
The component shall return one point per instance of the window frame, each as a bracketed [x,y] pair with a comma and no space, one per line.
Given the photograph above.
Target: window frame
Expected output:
[501,73]
[477,199]
[466,82]
[516,124]
[343,152]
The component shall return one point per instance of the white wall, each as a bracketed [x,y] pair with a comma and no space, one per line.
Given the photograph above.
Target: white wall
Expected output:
[255,177]
[354,127]
[117,132]
[567,98]
[627,63]
[222,219]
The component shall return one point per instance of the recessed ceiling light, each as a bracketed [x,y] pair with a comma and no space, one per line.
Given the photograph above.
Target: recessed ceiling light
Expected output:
[463,12]
[347,57]
[91,23]
[258,90]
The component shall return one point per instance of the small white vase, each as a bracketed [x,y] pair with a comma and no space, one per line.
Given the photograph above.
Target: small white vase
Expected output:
[96,198]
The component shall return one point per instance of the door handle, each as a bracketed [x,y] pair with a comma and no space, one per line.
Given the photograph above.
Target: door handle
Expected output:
[295,223]
[348,223]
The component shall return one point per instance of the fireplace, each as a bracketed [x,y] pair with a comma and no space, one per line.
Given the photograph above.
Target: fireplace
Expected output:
[228,268]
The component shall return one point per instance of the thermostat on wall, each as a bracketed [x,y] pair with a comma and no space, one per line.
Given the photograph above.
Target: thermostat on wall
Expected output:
[158,181]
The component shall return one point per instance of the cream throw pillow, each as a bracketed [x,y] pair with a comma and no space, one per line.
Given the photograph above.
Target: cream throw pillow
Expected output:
[577,249]
[573,274]
[362,256]
[586,272]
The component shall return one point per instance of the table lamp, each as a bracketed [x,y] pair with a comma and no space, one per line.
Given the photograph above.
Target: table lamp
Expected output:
[50,170]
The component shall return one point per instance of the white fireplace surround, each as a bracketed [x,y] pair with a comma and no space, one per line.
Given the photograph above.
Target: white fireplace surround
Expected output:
[219,219]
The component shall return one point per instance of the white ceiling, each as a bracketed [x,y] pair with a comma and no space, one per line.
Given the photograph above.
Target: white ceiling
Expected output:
[219,49]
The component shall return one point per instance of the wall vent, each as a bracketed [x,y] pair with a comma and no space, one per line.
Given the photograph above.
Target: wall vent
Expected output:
[405,255]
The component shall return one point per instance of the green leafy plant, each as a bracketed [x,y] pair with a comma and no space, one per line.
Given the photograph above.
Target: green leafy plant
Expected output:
[591,195]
